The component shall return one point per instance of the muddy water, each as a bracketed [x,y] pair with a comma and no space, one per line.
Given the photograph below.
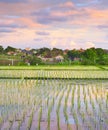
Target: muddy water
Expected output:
[81,104]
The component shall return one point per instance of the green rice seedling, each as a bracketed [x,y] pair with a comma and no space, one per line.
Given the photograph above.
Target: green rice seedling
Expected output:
[75,118]
[86,105]
[1,121]
[72,98]
[100,107]
[83,116]
[65,108]
[19,124]
[10,123]
[66,115]
[79,105]
[107,100]
[49,112]
[90,98]
[53,101]
[93,105]
[100,126]
[84,97]
[47,101]
[58,120]
[83,88]
[30,120]
[58,109]
[59,102]
[39,117]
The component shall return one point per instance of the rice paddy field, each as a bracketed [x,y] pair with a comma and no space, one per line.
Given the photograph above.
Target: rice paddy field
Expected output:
[54,98]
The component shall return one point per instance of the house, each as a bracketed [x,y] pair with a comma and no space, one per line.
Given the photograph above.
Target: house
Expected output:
[65,51]
[27,49]
[59,58]
[11,53]
[76,59]
[18,50]
[26,52]
[45,59]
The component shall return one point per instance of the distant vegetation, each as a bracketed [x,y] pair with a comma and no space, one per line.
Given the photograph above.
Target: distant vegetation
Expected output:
[92,56]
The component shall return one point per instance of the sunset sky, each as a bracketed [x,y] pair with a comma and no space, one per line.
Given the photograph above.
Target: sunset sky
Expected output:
[65,24]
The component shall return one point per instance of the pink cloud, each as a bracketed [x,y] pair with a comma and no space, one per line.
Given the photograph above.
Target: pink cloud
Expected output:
[60,19]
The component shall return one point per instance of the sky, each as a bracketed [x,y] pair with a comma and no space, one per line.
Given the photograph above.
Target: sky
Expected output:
[64,24]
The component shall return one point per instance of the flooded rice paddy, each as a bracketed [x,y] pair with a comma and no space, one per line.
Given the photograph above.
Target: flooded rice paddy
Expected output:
[53,104]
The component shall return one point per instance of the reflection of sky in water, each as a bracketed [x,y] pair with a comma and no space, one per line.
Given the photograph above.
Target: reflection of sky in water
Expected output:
[60,86]
[11,108]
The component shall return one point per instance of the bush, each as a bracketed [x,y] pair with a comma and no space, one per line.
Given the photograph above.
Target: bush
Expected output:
[22,64]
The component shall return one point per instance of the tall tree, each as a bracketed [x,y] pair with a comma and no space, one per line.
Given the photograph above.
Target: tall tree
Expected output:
[1,49]
[9,48]
[33,60]
[73,54]
[90,55]
[55,52]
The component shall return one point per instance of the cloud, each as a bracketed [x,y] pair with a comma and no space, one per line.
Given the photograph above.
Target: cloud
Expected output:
[43,33]
[49,2]
[67,24]
[73,45]
[63,43]
[104,26]
[89,45]
[54,14]
[54,43]
[63,7]
[103,4]
[6,30]
[13,1]
[38,39]
[11,25]
[62,13]
[24,7]
[83,3]
[29,23]
[47,16]
[51,19]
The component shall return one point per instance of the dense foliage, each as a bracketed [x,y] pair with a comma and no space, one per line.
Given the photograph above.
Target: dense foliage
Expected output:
[14,56]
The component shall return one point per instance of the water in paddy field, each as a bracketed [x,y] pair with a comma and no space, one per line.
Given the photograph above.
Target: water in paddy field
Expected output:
[53,104]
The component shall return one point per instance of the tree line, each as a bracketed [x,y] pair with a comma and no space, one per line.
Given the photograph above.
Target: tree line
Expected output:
[91,56]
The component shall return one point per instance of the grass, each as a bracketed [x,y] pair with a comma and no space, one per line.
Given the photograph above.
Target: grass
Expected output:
[54,67]
[53,74]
